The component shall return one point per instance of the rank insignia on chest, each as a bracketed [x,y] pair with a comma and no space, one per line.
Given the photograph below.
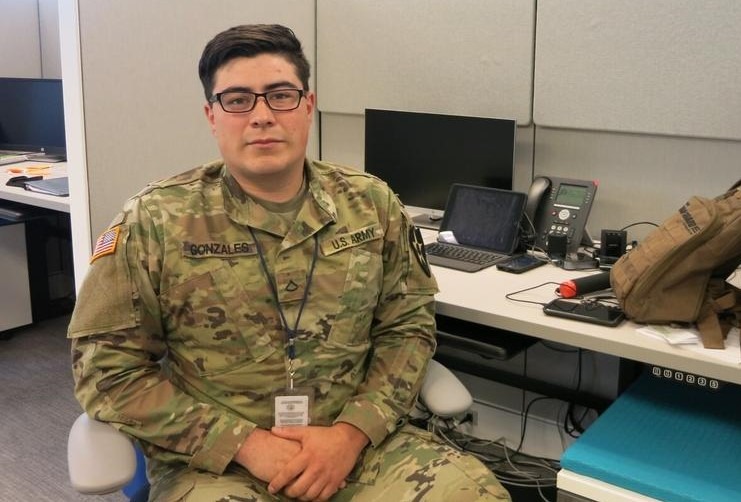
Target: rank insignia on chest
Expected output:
[106,243]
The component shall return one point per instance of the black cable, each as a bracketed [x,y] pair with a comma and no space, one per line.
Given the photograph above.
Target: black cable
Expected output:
[639,223]
[568,422]
[571,424]
[523,418]
[569,411]
[524,421]
[508,296]
[576,423]
[576,427]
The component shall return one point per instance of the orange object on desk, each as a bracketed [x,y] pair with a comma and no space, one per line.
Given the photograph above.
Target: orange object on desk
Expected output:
[28,170]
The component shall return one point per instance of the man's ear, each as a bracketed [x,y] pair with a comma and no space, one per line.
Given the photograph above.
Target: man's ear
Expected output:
[209,111]
[310,98]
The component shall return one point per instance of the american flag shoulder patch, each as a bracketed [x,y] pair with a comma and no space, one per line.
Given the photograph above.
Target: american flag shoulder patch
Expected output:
[106,243]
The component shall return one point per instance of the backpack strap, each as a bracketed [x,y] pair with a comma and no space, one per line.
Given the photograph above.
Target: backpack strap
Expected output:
[721,310]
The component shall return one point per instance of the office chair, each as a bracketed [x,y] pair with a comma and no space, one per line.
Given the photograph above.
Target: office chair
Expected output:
[101,459]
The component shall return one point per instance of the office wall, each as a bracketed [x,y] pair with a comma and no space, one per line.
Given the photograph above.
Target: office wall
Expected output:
[51,61]
[29,39]
[641,96]
[143,101]
[661,67]
[20,48]
[468,57]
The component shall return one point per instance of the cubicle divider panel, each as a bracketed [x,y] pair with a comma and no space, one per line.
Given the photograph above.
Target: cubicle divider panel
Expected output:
[469,57]
[143,101]
[639,67]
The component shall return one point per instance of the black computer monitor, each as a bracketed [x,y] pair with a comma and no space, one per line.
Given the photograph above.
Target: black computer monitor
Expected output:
[32,115]
[421,154]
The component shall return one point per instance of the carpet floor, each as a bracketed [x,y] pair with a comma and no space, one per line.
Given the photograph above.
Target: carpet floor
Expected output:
[37,408]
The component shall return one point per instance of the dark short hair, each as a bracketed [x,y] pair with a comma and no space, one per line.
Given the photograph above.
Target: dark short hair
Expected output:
[251,40]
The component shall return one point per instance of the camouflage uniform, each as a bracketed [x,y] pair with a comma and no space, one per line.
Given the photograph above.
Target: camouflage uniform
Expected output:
[178,342]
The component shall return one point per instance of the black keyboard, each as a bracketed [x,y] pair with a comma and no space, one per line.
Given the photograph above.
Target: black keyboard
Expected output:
[461,253]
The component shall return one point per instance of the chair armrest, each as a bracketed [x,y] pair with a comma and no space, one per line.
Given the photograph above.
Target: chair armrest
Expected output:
[100,459]
[442,393]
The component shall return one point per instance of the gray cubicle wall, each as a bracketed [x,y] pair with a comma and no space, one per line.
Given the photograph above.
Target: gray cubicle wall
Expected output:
[661,67]
[51,63]
[641,96]
[29,39]
[20,48]
[20,52]
[470,57]
[143,101]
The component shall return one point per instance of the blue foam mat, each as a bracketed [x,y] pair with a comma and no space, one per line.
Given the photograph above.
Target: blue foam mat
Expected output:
[666,440]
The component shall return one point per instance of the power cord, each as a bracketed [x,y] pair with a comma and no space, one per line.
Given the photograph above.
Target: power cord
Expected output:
[509,464]
[511,468]
[509,296]
[626,227]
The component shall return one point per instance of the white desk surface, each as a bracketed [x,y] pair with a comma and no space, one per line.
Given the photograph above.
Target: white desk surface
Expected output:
[19,194]
[480,297]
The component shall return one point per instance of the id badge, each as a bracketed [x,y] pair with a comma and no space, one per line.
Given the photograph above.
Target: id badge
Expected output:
[292,407]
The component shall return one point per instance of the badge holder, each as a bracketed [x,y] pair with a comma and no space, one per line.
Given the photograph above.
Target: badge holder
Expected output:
[292,406]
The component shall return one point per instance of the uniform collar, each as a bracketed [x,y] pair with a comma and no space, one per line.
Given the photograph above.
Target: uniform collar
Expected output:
[318,210]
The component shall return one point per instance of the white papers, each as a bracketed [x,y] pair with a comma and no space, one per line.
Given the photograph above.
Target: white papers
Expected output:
[682,339]
[675,336]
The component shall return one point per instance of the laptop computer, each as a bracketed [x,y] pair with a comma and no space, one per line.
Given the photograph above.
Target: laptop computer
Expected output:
[485,223]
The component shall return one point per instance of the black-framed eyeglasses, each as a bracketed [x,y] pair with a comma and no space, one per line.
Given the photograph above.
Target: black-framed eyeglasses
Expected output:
[281,100]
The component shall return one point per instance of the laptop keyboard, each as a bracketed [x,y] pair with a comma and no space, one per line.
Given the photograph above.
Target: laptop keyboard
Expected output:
[457,252]
[11,159]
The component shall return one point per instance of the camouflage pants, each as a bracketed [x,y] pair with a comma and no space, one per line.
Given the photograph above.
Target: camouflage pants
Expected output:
[410,465]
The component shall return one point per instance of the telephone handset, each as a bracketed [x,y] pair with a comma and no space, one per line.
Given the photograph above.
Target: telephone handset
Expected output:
[559,206]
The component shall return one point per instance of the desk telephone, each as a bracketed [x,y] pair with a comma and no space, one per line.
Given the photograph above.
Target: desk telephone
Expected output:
[559,207]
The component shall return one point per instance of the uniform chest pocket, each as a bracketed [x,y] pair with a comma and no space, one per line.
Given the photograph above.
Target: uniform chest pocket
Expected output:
[210,323]
[359,279]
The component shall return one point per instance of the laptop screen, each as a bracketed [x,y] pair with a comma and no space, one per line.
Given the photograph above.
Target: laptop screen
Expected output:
[484,217]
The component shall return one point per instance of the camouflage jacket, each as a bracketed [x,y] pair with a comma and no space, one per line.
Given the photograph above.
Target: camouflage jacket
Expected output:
[176,338]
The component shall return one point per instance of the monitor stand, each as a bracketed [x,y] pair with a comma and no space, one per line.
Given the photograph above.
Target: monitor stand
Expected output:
[431,220]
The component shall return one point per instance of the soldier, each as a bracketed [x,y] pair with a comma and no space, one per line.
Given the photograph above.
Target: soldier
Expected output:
[261,325]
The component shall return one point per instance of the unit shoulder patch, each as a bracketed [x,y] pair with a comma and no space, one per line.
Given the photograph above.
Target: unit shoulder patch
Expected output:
[417,244]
